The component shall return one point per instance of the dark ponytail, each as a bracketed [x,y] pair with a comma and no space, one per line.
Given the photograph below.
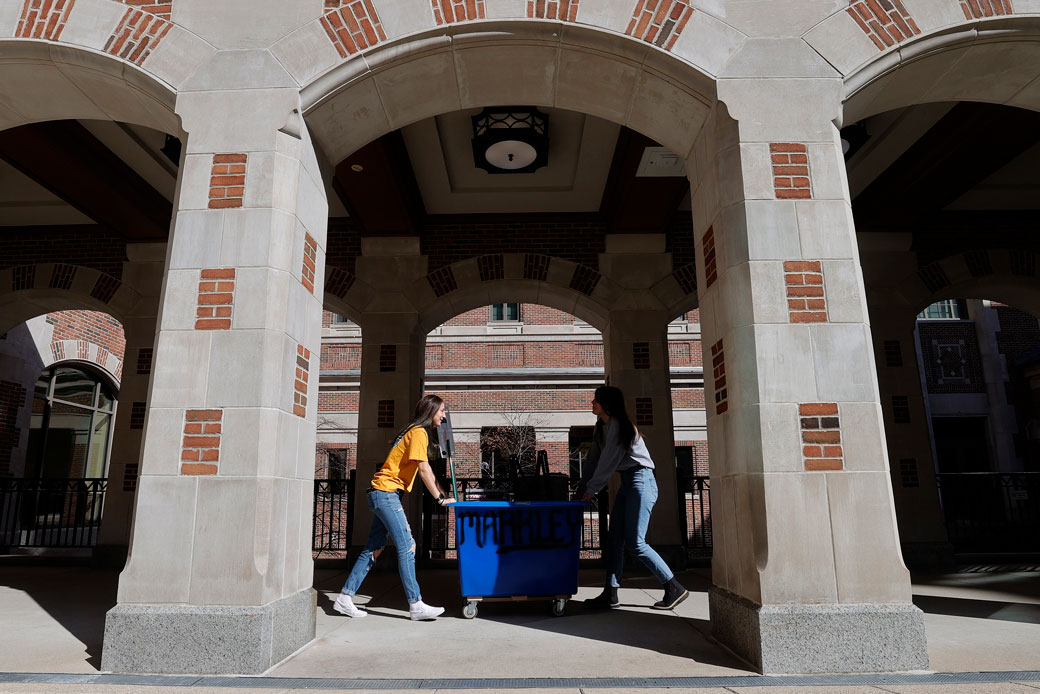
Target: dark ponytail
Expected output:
[422,416]
[612,401]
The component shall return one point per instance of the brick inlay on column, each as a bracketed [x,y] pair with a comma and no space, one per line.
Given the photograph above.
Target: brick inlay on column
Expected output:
[216,298]
[62,276]
[790,170]
[536,267]
[893,353]
[227,182]
[385,414]
[908,472]
[43,19]
[310,255]
[640,355]
[659,21]
[644,412]
[303,368]
[130,477]
[718,367]
[144,361]
[563,10]
[821,436]
[388,357]
[200,448]
[805,295]
[105,288]
[23,277]
[140,30]
[491,267]
[352,25]
[137,411]
[338,281]
[451,11]
[900,409]
[442,280]
[708,244]
[584,280]
[977,9]
[886,22]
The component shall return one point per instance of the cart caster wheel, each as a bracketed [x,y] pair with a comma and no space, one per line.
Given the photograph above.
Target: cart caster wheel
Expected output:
[559,607]
[470,610]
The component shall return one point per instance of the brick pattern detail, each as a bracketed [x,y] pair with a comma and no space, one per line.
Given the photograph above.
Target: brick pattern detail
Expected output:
[43,19]
[885,22]
[584,280]
[562,10]
[659,21]
[893,353]
[950,356]
[137,412]
[821,436]
[62,276]
[978,263]
[12,399]
[385,414]
[338,281]
[908,476]
[640,355]
[227,182]
[491,267]
[686,276]
[130,477]
[303,371]
[442,281]
[452,11]
[934,277]
[708,245]
[505,356]
[23,277]
[310,256]
[977,9]
[644,412]
[105,288]
[900,409]
[1023,263]
[143,26]
[388,358]
[536,267]
[805,294]
[200,448]
[144,361]
[790,170]
[216,298]
[352,25]
[718,366]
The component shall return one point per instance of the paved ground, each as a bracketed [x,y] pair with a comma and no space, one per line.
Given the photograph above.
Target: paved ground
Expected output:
[977,619]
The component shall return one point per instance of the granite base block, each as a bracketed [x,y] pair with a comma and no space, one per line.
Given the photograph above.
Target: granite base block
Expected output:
[811,639]
[207,639]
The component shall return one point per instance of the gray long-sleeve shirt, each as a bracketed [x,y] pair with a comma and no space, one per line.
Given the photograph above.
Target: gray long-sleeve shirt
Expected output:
[607,456]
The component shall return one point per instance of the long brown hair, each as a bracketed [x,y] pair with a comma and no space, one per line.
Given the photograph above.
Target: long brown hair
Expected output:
[422,416]
[612,400]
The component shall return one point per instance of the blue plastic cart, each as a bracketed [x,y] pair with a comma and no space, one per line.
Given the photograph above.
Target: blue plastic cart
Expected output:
[518,551]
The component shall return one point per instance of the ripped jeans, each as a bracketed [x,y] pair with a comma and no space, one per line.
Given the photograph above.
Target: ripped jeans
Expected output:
[389,519]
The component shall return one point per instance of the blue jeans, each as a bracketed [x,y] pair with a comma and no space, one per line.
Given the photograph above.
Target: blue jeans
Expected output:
[388,518]
[629,519]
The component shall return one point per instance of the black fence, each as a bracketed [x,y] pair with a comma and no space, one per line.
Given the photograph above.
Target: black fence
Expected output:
[50,512]
[694,494]
[990,512]
[333,515]
[439,521]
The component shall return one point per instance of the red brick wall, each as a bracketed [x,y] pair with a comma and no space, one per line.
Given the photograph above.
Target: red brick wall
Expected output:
[91,326]
[12,399]
[89,245]
[339,357]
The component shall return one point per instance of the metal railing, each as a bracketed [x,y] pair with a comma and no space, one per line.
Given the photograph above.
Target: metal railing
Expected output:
[694,492]
[991,511]
[439,521]
[51,512]
[333,515]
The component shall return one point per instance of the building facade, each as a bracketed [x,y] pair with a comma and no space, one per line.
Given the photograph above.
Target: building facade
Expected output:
[217,176]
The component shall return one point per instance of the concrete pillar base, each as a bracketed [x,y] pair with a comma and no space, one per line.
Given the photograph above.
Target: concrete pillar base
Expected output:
[207,639]
[804,639]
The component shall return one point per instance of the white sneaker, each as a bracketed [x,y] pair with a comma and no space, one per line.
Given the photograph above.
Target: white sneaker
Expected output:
[420,610]
[344,605]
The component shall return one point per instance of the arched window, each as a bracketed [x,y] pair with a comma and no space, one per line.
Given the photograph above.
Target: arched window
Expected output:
[72,419]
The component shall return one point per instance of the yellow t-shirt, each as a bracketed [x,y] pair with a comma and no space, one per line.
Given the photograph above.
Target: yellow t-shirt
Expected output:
[402,464]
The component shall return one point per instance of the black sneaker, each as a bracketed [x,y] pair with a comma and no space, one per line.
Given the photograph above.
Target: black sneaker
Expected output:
[674,593]
[607,599]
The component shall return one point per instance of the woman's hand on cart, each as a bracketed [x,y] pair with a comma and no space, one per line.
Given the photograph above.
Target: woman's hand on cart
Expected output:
[445,500]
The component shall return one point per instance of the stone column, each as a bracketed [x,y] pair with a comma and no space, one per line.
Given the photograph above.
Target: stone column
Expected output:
[220,571]
[392,363]
[922,530]
[635,351]
[144,273]
[807,571]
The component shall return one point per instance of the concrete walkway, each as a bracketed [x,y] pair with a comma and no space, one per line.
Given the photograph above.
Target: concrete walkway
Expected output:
[978,619]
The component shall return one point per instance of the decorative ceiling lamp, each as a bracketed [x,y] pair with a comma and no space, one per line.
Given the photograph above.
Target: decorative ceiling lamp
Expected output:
[511,139]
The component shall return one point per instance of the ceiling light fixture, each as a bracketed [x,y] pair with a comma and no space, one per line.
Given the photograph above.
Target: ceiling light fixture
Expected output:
[510,139]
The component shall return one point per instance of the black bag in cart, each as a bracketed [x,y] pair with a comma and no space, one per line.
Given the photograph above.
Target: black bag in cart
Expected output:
[542,485]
